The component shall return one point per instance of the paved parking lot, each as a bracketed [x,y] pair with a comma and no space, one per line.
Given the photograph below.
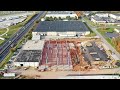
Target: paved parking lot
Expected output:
[95,49]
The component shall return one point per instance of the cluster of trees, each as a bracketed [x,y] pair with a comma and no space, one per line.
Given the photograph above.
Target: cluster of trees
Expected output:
[55,18]
[13,49]
[116,42]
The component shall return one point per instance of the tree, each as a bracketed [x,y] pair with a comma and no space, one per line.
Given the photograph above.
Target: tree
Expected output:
[76,18]
[31,29]
[68,18]
[47,19]
[55,18]
[30,36]
[13,49]
[37,21]
[60,18]
[51,19]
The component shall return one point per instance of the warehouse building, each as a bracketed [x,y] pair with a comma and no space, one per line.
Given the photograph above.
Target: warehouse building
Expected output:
[62,14]
[106,18]
[98,20]
[60,28]
[30,54]
[102,14]
[115,16]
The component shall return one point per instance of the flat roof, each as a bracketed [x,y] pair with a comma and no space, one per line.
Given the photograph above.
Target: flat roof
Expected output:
[111,35]
[97,18]
[29,56]
[106,19]
[61,26]
[33,45]
[60,12]
[117,14]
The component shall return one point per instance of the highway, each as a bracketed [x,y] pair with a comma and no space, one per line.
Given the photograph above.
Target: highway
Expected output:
[5,48]
[103,39]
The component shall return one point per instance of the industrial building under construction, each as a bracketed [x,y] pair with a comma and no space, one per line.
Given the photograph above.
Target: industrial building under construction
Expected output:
[63,53]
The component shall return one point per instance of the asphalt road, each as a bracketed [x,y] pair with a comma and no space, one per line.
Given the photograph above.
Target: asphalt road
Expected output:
[104,40]
[5,48]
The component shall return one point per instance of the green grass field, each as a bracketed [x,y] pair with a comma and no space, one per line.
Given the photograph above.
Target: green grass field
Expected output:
[102,32]
[91,34]
[2,31]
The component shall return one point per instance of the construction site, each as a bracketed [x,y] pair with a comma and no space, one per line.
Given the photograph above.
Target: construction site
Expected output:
[65,54]
[73,55]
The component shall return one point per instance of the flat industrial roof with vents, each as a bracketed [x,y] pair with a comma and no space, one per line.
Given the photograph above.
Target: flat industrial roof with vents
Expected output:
[61,26]
[29,56]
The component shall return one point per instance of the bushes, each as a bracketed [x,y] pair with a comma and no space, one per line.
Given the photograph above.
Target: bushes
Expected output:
[37,21]
[68,18]
[13,49]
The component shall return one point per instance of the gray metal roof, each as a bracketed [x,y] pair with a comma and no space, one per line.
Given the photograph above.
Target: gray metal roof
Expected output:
[98,18]
[117,14]
[111,35]
[61,26]
[107,19]
[29,56]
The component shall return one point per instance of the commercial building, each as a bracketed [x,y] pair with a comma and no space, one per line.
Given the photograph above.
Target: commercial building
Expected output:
[98,20]
[115,16]
[102,14]
[62,14]
[8,20]
[60,28]
[30,54]
[104,20]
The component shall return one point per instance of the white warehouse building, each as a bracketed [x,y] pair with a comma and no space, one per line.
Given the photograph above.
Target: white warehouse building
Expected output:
[115,16]
[62,14]
[102,14]
[60,28]
[30,55]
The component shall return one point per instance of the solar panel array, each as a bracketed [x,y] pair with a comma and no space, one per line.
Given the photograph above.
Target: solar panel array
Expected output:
[61,26]
[29,56]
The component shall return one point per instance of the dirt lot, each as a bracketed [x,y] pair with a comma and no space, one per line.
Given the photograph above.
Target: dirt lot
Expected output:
[58,74]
